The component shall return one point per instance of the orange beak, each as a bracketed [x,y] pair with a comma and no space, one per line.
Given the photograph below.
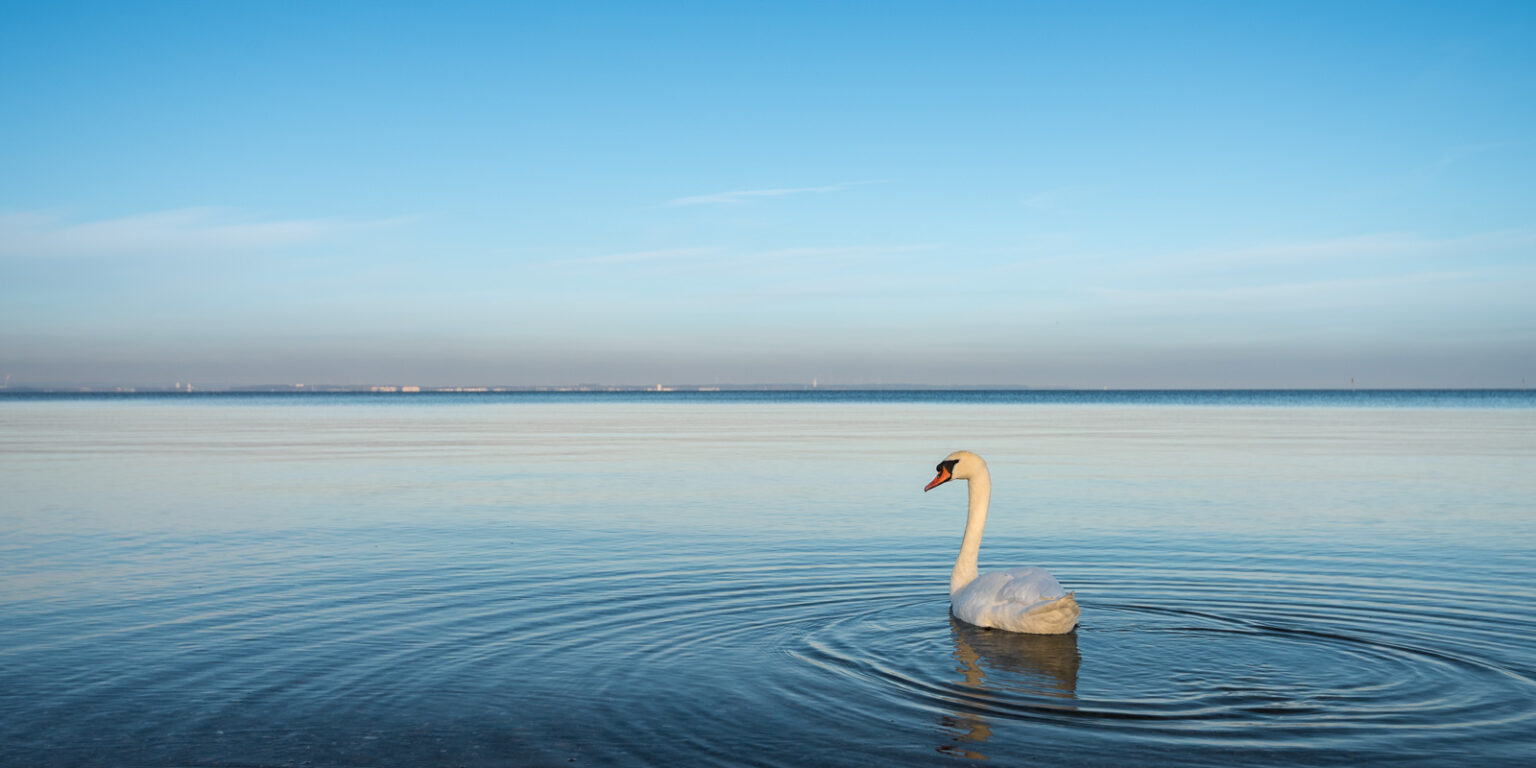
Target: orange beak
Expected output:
[942,478]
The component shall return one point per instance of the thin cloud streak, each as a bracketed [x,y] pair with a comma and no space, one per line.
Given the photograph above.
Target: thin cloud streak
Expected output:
[180,231]
[1457,155]
[1056,201]
[1388,251]
[644,257]
[1374,246]
[840,251]
[727,256]
[1296,294]
[742,196]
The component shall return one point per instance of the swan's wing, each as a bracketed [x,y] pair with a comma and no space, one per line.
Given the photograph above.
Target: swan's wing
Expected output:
[1028,585]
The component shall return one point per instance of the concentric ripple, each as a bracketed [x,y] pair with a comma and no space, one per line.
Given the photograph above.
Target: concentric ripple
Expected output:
[533,647]
[1228,666]
[828,650]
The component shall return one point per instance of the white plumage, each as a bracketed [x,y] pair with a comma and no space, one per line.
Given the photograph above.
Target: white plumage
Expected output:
[1027,599]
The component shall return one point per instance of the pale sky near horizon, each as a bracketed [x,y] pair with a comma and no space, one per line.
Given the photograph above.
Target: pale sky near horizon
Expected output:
[1011,193]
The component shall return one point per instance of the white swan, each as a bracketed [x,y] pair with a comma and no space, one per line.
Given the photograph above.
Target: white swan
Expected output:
[1027,599]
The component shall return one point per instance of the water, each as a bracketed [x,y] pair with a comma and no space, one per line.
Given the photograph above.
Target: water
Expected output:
[757,579]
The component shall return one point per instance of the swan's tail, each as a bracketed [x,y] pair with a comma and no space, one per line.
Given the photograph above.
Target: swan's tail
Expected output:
[1053,617]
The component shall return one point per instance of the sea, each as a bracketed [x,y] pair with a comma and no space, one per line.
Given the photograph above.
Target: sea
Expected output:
[1310,578]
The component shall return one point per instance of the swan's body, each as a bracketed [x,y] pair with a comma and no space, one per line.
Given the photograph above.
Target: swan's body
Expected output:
[1025,599]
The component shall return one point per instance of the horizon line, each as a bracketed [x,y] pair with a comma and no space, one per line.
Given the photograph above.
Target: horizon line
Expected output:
[681,388]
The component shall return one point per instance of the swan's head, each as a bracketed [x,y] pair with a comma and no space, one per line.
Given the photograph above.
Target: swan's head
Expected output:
[962,465]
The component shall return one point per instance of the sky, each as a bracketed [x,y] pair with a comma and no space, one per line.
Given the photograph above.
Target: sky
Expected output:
[1137,194]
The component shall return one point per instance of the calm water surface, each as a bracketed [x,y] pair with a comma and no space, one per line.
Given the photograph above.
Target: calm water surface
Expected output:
[759,580]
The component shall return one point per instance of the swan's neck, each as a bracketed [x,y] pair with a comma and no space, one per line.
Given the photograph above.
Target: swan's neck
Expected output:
[975,519]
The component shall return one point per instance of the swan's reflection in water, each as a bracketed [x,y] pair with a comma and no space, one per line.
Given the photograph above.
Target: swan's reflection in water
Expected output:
[1029,671]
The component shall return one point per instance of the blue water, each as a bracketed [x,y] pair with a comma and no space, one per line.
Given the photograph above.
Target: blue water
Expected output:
[758,579]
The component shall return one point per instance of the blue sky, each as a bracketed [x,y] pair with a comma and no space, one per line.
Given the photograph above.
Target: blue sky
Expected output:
[1124,195]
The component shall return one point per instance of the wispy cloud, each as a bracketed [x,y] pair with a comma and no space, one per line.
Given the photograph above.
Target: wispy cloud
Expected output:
[1291,295]
[181,231]
[1057,200]
[736,257]
[1456,155]
[1382,247]
[645,257]
[838,251]
[744,195]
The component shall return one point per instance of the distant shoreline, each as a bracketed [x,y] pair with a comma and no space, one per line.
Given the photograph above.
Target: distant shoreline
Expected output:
[681,389]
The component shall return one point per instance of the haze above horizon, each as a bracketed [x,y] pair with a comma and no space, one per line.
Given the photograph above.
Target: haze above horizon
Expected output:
[1127,195]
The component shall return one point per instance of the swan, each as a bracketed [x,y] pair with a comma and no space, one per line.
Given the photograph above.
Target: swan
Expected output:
[1027,599]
